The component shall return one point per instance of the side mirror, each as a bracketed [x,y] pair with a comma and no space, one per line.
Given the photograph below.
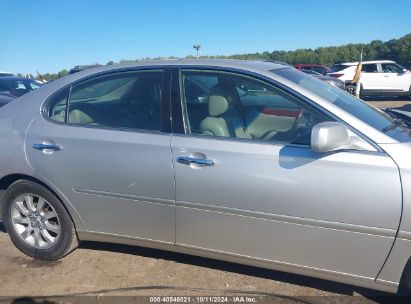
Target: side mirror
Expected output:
[329,136]
[333,136]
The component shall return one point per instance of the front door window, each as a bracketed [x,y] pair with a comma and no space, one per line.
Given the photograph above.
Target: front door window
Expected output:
[229,105]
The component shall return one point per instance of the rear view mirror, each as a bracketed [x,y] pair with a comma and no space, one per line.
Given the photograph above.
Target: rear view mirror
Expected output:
[329,136]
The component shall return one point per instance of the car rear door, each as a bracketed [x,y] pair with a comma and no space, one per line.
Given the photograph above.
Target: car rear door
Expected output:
[103,143]
[272,199]
[371,80]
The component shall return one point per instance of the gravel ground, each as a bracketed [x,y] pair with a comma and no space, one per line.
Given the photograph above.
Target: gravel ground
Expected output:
[106,273]
[384,103]
[117,270]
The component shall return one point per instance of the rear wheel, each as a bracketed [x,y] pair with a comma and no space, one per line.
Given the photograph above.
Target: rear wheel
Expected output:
[404,288]
[37,222]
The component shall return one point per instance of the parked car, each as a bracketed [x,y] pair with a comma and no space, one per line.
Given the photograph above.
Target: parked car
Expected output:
[319,68]
[6,74]
[244,161]
[404,115]
[79,68]
[328,79]
[378,78]
[5,98]
[12,87]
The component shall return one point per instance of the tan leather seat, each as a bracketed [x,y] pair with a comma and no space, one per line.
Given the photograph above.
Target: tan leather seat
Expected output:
[79,117]
[224,118]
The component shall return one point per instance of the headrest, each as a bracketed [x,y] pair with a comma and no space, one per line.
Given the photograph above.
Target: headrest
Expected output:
[220,101]
[79,117]
[144,93]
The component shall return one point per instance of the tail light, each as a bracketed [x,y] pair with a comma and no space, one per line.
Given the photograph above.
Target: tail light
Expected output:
[336,75]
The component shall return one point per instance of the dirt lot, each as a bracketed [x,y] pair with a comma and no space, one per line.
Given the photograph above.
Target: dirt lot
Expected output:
[97,272]
[388,103]
[112,270]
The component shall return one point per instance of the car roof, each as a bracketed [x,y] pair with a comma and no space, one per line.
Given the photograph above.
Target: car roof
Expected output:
[366,62]
[266,65]
[16,78]
[253,65]
[309,64]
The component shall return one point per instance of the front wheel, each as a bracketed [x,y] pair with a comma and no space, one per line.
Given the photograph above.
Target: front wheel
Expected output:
[37,222]
[361,93]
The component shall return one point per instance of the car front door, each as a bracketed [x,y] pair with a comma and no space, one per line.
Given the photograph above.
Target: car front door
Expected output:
[248,184]
[394,78]
[101,143]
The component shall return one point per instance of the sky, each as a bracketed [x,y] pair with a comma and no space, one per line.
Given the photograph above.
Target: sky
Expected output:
[49,35]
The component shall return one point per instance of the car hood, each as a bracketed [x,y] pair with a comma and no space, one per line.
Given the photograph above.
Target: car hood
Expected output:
[403,113]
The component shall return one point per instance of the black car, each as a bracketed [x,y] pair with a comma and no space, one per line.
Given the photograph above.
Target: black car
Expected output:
[13,87]
[79,68]
[5,74]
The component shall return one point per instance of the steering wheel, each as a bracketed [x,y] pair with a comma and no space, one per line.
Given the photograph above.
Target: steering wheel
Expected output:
[298,120]
[302,125]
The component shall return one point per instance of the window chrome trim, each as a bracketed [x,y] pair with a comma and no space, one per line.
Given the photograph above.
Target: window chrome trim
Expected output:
[183,104]
[270,143]
[119,129]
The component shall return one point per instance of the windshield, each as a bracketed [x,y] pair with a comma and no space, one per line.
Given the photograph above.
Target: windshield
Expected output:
[338,67]
[356,107]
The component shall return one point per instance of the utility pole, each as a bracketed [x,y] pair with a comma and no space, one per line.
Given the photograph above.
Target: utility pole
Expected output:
[197,47]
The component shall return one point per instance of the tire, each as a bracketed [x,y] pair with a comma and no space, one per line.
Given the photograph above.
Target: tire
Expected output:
[361,93]
[37,222]
[404,288]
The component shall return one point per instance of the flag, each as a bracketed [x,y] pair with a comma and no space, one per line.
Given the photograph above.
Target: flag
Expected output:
[357,73]
[358,70]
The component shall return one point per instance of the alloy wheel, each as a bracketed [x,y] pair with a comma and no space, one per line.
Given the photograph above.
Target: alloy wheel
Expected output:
[35,221]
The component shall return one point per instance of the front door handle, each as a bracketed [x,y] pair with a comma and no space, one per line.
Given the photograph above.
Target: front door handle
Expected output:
[42,147]
[187,160]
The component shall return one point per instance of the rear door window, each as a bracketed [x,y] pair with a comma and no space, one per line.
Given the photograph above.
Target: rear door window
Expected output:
[129,100]
[369,68]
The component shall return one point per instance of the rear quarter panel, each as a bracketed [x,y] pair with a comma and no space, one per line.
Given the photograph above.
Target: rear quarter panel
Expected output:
[15,118]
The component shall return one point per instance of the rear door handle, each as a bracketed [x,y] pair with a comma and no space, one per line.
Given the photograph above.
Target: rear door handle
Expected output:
[42,147]
[187,160]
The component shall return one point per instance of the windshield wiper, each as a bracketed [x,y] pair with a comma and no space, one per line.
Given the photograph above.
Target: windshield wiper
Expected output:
[396,123]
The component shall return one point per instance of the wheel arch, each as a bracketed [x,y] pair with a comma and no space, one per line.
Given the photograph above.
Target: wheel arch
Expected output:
[8,180]
[404,286]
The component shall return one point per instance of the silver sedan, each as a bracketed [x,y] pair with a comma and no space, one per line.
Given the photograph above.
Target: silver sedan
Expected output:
[246,161]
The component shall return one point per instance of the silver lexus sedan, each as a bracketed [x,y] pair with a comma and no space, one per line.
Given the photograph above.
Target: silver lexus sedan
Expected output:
[246,161]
